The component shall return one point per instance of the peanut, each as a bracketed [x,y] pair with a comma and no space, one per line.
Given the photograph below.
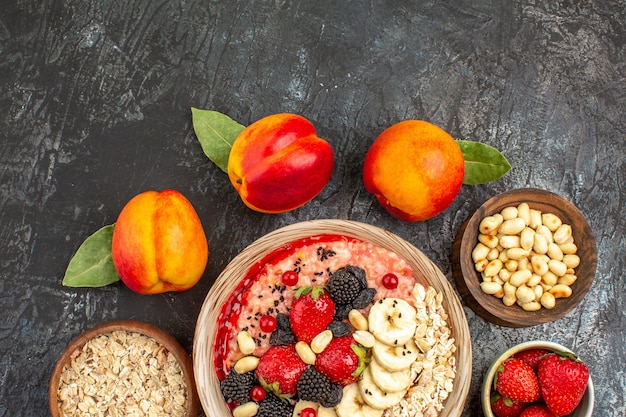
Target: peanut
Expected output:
[319,342]
[526,257]
[245,342]
[246,364]
[248,409]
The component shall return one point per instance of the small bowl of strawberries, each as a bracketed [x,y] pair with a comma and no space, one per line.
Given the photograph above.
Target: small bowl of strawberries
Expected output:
[537,379]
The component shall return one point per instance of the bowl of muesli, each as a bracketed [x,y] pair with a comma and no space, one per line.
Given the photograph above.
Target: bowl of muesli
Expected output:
[332,318]
[123,368]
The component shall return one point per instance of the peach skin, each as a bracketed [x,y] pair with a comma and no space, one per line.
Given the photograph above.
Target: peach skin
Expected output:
[278,163]
[159,244]
[415,170]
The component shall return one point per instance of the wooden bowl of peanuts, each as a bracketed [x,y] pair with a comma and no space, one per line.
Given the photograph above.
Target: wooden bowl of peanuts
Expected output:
[525,257]
[120,368]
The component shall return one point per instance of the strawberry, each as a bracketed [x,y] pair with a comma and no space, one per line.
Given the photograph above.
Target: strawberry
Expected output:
[563,379]
[536,410]
[311,312]
[515,379]
[505,407]
[279,370]
[532,357]
[343,360]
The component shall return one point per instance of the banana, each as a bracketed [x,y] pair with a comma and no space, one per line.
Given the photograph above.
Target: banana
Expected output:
[390,381]
[353,405]
[376,397]
[326,412]
[392,321]
[302,404]
[395,358]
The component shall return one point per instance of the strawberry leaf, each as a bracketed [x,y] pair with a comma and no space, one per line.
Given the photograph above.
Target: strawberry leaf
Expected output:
[92,264]
[216,133]
[483,163]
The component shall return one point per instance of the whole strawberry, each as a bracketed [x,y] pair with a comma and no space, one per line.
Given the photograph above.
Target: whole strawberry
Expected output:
[515,379]
[279,369]
[311,312]
[536,410]
[342,361]
[505,407]
[563,379]
[532,357]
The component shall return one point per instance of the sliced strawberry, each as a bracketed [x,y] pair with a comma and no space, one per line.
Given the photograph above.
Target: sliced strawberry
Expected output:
[311,312]
[516,380]
[343,360]
[563,379]
[279,370]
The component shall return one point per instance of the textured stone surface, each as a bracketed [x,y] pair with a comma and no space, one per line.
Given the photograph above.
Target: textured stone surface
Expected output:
[95,108]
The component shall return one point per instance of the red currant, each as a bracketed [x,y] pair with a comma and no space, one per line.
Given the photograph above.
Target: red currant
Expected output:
[308,412]
[390,281]
[290,278]
[268,323]
[257,393]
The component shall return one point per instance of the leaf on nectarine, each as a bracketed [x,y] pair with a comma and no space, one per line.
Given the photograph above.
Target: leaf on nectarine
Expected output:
[92,265]
[483,163]
[216,133]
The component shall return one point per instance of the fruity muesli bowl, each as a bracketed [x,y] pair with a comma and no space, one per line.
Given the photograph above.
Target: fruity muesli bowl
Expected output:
[332,318]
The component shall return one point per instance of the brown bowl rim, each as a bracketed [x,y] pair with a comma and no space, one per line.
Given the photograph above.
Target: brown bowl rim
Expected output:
[491,308]
[162,337]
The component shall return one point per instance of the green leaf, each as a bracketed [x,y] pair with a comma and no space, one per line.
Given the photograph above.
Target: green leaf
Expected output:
[92,265]
[483,163]
[216,133]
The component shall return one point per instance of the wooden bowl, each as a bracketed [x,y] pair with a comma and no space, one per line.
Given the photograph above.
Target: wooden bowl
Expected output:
[584,409]
[206,327]
[164,339]
[468,279]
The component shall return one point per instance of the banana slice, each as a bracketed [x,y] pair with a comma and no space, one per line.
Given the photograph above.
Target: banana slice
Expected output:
[326,412]
[302,404]
[376,397]
[395,358]
[390,381]
[353,405]
[392,321]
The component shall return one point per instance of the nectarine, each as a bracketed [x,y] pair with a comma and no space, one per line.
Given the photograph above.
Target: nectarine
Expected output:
[158,243]
[415,169]
[278,163]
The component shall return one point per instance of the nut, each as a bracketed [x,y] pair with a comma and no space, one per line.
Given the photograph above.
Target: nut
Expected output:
[523,254]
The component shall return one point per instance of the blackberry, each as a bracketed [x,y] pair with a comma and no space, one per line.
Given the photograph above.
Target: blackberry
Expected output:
[364,298]
[339,328]
[359,273]
[343,286]
[314,386]
[272,406]
[236,387]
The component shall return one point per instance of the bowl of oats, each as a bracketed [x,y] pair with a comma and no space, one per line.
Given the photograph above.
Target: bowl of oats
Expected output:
[339,317]
[123,368]
[525,257]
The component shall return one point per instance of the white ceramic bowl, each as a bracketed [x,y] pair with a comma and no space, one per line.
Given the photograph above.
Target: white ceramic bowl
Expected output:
[584,409]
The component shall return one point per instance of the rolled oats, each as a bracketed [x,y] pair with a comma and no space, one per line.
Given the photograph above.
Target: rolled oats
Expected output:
[435,365]
[122,374]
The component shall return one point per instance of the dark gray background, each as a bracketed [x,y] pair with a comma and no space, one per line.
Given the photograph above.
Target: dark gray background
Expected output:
[95,101]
